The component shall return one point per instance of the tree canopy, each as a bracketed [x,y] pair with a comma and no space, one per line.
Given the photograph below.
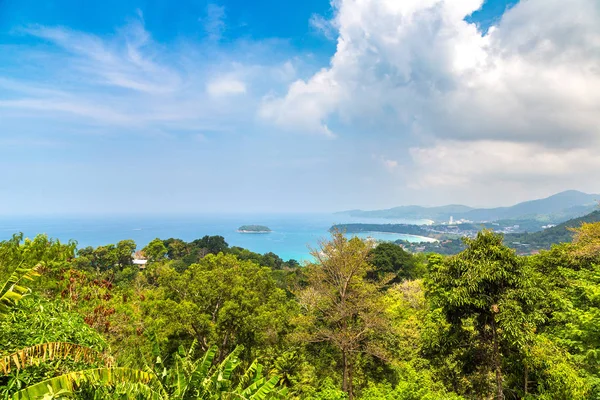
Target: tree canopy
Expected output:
[361,320]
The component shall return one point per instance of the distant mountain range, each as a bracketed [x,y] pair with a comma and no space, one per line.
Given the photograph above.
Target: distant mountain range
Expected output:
[554,209]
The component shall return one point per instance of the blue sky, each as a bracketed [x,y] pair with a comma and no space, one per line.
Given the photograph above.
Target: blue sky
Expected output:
[237,106]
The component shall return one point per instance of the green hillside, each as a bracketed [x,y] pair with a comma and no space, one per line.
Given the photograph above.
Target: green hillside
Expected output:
[524,243]
[546,238]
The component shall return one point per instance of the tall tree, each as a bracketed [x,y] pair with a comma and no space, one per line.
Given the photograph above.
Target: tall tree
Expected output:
[125,250]
[488,296]
[155,250]
[572,301]
[341,307]
[389,258]
[105,257]
[212,244]
[176,248]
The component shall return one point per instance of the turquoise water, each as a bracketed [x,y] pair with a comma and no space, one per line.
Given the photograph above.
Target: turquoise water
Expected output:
[292,234]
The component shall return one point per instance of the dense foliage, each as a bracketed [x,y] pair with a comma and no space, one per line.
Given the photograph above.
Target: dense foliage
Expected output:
[203,320]
[544,239]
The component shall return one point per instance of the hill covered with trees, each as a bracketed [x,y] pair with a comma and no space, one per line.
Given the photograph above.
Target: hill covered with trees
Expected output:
[523,242]
[557,234]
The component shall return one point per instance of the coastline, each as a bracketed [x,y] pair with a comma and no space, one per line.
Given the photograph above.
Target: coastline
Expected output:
[425,239]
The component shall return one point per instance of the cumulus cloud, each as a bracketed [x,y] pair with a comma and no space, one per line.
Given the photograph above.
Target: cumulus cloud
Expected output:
[527,92]
[305,107]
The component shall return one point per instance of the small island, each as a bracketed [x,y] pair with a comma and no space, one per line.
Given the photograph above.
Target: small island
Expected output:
[254,229]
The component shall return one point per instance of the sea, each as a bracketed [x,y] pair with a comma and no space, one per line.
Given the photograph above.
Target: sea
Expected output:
[292,236]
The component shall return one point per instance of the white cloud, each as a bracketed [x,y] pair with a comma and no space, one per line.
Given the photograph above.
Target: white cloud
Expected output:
[127,82]
[224,86]
[305,106]
[322,25]
[130,63]
[521,101]
[498,172]
[455,115]
[479,162]
[214,21]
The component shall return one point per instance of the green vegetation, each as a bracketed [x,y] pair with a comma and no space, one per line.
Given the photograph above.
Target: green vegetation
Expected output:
[445,247]
[524,243]
[364,321]
[254,229]
[456,231]
[561,233]
[445,231]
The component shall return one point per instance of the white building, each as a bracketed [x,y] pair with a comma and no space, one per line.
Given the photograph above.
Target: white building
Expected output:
[140,263]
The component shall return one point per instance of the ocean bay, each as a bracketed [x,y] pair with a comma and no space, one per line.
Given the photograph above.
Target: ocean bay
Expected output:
[291,236]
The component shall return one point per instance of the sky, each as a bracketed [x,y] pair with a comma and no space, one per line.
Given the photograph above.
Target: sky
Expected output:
[195,106]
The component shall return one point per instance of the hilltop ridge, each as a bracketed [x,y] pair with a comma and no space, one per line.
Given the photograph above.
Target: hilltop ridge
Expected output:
[553,209]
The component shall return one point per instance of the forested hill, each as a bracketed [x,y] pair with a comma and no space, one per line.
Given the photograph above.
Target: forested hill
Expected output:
[524,243]
[546,238]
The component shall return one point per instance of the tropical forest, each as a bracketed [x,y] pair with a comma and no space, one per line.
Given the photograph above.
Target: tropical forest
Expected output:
[361,320]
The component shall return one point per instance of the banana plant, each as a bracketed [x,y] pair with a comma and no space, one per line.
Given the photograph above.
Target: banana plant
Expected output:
[199,379]
[35,355]
[13,289]
[138,383]
[187,379]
